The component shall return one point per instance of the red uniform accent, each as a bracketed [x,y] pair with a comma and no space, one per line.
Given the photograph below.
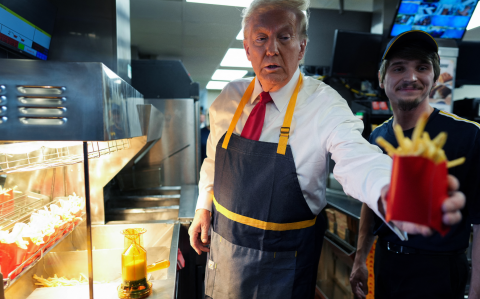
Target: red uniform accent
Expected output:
[417,191]
[253,126]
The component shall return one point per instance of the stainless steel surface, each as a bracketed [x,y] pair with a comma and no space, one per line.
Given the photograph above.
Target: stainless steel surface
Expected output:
[69,259]
[163,191]
[54,121]
[29,156]
[42,111]
[145,214]
[382,16]
[140,179]
[100,106]
[340,244]
[188,202]
[177,153]
[198,151]
[123,45]
[159,204]
[42,100]
[153,121]
[44,90]
[23,206]
[93,31]
[344,203]
[88,222]
[45,249]
[104,170]
[146,201]
[160,290]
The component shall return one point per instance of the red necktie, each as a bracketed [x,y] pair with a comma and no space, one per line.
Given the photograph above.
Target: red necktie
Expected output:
[253,126]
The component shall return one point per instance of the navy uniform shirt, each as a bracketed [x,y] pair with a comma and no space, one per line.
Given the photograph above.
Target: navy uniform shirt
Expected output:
[463,141]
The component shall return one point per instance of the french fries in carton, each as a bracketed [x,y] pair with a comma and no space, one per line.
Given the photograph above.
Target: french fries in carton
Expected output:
[27,241]
[7,204]
[13,248]
[419,183]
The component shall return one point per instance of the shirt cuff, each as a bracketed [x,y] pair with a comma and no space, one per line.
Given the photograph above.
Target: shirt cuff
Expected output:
[376,193]
[204,201]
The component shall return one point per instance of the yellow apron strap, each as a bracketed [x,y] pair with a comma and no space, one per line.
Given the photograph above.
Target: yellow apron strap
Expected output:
[263,225]
[246,96]
[287,121]
[284,131]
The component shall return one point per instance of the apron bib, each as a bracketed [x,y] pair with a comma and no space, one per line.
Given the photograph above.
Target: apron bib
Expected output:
[265,242]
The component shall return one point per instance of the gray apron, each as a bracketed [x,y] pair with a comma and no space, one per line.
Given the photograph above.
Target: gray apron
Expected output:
[266,241]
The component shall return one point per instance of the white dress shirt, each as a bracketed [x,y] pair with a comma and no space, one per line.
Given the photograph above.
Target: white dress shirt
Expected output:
[322,123]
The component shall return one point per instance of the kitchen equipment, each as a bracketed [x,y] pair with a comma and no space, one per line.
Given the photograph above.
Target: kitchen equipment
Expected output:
[134,266]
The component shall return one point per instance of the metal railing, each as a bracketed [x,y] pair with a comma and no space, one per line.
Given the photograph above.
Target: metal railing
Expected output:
[45,157]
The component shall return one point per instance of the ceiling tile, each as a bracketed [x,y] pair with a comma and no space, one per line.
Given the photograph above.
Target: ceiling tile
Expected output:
[156,9]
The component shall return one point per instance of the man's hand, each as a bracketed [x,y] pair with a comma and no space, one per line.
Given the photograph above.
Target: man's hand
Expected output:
[198,231]
[451,209]
[358,280]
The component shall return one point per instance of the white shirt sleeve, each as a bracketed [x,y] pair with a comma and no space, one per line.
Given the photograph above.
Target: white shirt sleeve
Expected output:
[225,104]
[207,172]
[360,167]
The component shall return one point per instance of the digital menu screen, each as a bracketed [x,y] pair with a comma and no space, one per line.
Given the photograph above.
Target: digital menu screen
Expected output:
[22,35]
[440,18]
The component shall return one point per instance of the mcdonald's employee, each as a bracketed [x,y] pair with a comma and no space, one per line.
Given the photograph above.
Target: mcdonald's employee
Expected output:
[432,267]
[264,177]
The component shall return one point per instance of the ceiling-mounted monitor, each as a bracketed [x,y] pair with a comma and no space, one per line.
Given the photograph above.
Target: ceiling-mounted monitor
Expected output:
[26,26]
[355,55]
[440,18]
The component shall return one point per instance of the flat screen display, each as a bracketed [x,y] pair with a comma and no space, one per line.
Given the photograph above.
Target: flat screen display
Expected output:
[440,18]
[468,64]
[26,26]
[355,55]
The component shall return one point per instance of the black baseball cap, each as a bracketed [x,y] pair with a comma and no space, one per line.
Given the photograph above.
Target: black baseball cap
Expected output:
[409,36]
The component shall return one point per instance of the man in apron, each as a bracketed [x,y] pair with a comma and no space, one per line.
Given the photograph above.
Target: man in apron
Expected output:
[265,173]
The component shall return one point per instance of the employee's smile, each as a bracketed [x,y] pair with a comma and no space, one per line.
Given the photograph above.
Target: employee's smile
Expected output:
[409,88]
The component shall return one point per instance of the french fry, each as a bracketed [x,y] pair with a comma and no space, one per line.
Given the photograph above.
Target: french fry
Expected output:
[400,137]
[56,281]
[421,123]
[426,136]
[421,145]
[386,145]
[440,140]
[419,150]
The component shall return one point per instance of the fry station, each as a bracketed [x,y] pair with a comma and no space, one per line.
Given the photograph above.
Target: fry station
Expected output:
[239,149]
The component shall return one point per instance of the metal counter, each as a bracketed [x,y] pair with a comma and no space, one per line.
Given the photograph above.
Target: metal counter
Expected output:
[69,258]
[340,201]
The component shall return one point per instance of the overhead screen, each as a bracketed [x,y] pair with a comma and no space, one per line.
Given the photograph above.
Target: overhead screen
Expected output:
[440,18]
[468,65]
[355,55]
[26,26]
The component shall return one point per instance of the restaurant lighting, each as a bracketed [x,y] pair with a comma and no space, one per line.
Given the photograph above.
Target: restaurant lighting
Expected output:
[228,75]
[218,85]
[475,20]
[238,3]
[240,35]
[236,58]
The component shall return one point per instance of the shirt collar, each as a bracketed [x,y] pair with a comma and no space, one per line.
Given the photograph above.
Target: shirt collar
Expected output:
[280,97]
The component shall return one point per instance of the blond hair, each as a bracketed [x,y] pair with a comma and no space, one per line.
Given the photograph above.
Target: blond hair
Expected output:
[296,6]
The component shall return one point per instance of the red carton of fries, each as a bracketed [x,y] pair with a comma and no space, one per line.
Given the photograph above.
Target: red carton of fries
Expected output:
[419,182]
[418,188]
